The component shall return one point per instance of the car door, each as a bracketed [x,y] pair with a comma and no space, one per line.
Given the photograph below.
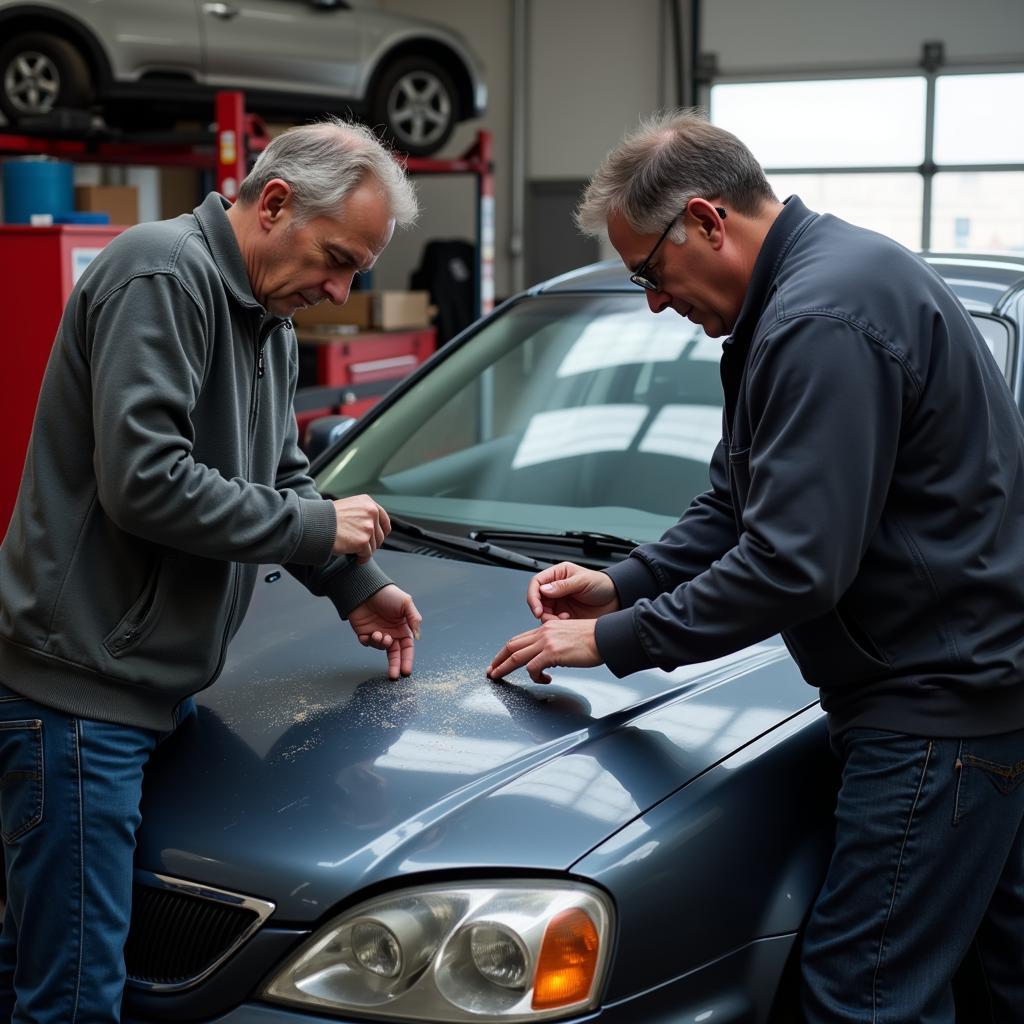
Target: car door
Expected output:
[289,46]
[146,36]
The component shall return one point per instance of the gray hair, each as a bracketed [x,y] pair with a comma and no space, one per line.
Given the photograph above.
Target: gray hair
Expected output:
[326,161]
[669,159]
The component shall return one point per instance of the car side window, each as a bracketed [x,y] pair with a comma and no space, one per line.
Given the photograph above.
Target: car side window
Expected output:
[999,337]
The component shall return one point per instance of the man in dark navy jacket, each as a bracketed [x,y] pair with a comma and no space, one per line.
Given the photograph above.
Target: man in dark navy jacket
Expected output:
[866,501]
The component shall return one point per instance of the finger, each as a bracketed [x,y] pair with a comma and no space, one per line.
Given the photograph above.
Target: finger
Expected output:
[502,655]
[536,667]
[511,647]
[534,596]
[385,520]
[516,660]
[394,660]
[408,654]
[413,619]
[364,639]
[533,600]
[563,588]
[378,536]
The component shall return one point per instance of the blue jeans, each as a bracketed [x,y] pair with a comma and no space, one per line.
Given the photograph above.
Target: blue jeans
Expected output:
[929,858]
[70,790]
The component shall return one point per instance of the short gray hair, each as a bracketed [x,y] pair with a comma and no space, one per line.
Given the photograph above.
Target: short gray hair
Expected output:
[326,161]
[669,159]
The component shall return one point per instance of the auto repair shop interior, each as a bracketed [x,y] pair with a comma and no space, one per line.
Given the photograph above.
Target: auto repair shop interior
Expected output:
[319,841]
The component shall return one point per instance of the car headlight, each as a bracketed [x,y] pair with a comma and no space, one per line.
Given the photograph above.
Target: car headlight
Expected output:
[502,951]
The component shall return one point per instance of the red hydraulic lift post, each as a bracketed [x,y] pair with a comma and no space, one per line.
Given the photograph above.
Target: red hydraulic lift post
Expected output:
[232,143]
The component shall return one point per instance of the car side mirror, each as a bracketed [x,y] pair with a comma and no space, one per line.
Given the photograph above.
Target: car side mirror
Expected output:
[323,432]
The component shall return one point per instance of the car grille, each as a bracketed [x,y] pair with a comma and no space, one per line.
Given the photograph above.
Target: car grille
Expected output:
[181,932]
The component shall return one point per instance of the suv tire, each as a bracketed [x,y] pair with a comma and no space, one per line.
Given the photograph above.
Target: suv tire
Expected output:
[416,101]
[40,72]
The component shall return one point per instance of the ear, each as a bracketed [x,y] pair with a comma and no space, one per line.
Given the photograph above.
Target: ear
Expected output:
[274,203]
[709,222]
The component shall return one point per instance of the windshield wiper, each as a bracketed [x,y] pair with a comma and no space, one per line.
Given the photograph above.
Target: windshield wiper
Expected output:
[589,542]
[473,549]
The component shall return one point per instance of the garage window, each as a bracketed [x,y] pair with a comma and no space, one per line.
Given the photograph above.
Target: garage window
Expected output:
[934,161]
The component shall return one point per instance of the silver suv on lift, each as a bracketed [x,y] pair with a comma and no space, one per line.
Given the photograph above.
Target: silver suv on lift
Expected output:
[143,63]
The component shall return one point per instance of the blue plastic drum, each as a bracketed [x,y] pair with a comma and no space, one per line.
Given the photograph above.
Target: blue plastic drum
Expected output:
[37,185]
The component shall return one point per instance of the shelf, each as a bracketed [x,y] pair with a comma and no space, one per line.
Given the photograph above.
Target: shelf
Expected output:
[230,151]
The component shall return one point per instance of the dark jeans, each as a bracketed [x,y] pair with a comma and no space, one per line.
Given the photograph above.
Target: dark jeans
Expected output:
[69,807]
[929,856]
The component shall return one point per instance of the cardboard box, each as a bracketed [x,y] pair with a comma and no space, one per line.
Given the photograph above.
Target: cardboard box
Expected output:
[120,202]
[358,311]
[401,309]
[382,310]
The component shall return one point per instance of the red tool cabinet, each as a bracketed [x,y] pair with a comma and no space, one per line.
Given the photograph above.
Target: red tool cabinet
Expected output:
[354,371]
[38,269]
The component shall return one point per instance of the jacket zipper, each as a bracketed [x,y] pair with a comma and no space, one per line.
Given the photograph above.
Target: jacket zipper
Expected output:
[254,408]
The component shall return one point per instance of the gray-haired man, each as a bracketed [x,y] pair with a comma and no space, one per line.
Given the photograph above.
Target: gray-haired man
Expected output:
[866,501]
[163,468]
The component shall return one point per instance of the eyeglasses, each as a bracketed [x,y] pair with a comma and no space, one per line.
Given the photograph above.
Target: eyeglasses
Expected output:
[643,276]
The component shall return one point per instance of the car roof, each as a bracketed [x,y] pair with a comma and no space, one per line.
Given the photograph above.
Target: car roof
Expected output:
[979,279]
[607,276]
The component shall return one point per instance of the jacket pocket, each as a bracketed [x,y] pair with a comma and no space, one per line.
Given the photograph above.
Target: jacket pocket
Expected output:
[138,622]
[831,652]
[21,777]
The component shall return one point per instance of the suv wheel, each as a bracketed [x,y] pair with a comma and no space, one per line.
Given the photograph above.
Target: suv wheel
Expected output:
[416,101]
[40,72]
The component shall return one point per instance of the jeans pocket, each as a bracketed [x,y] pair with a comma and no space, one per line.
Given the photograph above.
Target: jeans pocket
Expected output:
[978,769]
[21,777]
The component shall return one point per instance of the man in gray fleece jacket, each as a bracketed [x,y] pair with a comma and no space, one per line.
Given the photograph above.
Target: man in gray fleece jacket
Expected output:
[163,468]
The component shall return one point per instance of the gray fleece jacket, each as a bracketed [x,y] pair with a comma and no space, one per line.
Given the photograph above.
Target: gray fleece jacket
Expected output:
[163,468]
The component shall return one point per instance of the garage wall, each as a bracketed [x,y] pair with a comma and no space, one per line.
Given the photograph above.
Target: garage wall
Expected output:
[787,35]
[447,202]
[595,66]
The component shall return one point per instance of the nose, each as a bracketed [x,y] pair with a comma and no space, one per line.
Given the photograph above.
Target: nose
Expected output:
[658,301]
[337,288]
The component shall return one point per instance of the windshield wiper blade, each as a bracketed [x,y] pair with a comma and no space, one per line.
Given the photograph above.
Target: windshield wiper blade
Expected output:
[474,548]
[590,542]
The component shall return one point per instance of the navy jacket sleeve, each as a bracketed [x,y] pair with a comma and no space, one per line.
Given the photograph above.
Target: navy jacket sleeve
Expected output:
[825,402]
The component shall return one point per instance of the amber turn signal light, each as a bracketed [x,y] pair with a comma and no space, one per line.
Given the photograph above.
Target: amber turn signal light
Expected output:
[567,962]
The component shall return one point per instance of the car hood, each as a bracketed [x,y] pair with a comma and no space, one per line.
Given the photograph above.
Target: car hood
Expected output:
[306,775]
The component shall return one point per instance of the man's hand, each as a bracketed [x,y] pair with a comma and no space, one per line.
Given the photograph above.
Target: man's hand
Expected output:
[362,526]
[565,642]
[568,591]
[390,622]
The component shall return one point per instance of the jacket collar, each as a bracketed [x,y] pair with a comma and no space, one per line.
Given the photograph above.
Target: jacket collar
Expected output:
[220,237]
[782,235]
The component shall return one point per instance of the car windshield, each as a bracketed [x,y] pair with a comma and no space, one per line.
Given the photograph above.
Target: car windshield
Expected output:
[571,412]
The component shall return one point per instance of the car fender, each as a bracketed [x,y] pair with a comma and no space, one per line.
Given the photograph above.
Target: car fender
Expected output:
[735,857]
[384,43]
[46,17]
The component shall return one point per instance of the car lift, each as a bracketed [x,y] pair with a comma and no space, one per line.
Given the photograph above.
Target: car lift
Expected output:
[230,151]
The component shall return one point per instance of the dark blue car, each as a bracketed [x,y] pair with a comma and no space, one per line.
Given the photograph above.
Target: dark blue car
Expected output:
[321,843]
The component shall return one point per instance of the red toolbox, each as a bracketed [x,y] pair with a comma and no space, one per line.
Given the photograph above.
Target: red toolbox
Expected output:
[365,366]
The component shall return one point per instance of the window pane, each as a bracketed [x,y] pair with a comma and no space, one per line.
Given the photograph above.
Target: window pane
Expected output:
[864,122]
[978,119]
[887,203]
[978,211]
